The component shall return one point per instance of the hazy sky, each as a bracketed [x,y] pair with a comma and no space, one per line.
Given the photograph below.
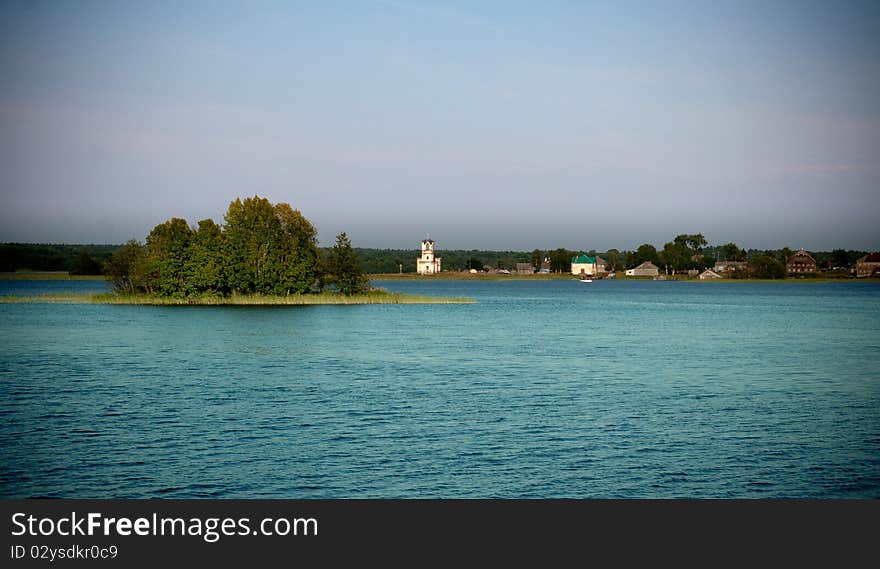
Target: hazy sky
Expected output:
[489,125]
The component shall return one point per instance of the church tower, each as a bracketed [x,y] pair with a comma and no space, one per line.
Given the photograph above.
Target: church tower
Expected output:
[428,264]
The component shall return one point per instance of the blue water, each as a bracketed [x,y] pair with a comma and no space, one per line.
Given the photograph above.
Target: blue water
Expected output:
[54,286]
[540,389]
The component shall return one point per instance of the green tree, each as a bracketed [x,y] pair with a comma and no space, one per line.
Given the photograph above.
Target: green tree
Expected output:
[676,256]
[560,260]
[342,269]
[767,267]
[251,226]
[167,254]
[694,242]
[474,263]
[684,252]
[537,258]
[269,249]
[785,254]
[614,260]
[645,252]
[204,267]
[840,258]
[296,257]
[85,264]
[733,253]
[126,268]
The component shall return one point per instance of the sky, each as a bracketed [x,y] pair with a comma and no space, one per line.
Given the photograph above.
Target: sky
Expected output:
[486,125]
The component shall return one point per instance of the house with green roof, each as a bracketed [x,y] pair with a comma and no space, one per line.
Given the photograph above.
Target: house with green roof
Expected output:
[583,265]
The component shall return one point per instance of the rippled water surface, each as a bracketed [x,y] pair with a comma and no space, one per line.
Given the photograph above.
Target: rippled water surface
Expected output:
[540,389]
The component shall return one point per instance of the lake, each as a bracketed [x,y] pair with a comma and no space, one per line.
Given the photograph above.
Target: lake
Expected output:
[613,389]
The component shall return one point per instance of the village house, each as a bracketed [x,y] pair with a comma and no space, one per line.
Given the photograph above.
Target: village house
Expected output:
[583,265]
[709,274]
[646,269]
[601,265]
[428,264]
[868,266]
[729,266]
[524,269]
[801,263]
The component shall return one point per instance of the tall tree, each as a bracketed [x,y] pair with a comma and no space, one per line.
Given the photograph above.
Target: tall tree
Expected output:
[645,252]
[684,252]
[732,252]
[560,260]
[167,253]
[785,254]
[767,267]
[251,227]
[675,256]
[296,257]
[126,268]
[537,258]
[694,242]
[269,249]
[614,260]
[343,271]
[205,266]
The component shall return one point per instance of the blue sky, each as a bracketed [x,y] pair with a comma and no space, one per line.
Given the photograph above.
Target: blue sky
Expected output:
[489,125]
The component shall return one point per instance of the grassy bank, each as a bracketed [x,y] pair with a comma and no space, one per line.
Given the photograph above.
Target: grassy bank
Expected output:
[241,300]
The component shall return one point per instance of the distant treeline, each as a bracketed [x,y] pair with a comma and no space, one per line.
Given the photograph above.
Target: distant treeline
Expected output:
[684,252]
[76,259]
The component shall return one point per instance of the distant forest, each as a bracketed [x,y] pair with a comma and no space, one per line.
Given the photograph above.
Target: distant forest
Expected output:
[678,254]
[75,259]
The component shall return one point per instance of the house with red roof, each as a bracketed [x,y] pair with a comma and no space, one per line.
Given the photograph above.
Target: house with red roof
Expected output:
[801,263]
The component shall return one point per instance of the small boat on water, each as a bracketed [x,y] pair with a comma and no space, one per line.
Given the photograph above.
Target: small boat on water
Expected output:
[585,279]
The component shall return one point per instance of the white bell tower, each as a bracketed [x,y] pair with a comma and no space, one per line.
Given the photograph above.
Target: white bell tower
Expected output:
[428,264]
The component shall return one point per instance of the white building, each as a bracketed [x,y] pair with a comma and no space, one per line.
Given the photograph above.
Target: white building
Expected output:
[428,264]
[583,265]
[646,269]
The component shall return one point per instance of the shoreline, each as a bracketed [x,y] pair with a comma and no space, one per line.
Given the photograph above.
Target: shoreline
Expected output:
[450,276]
[460,276]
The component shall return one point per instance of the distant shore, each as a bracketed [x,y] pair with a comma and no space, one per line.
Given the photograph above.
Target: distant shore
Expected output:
[464,276]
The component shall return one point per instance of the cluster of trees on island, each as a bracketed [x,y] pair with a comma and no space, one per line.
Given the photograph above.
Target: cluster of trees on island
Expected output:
[260,249]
